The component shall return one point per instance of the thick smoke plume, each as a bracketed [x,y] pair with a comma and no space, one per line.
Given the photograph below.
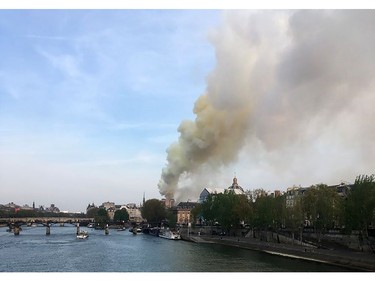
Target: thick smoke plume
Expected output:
[287,84]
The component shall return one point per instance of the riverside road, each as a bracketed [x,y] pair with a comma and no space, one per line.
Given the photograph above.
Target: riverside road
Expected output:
[354,260]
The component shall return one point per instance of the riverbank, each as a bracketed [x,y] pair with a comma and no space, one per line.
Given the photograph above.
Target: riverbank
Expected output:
[354,260]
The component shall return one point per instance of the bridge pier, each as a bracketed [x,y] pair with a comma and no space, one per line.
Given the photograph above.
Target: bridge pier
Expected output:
[16,230]
[48,229]
[106,230]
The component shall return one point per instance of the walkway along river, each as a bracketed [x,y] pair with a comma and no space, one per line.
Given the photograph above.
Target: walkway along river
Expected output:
[122,251]
[352,260]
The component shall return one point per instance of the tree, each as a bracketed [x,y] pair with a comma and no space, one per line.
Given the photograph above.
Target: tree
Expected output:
[263,218]
[121,216]
[224,205]
[153,211]
[242,209]
[360,204]
[321,207]
[102,217]
[294,217]
[91,213]
[228,209]
[25,214]
[196,212]
[171,218]
[278,211]
[207,209]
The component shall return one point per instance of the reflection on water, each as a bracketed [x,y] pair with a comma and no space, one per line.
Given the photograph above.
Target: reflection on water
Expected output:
[122,251]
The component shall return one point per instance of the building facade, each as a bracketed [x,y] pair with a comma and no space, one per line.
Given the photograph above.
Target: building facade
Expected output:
[134,212]
[291,195]
[184,212]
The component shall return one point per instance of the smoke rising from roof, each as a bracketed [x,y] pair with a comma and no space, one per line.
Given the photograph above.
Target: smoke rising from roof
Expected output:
[287,84]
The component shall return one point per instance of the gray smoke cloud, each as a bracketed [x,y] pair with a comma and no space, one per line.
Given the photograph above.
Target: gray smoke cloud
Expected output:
[285,82]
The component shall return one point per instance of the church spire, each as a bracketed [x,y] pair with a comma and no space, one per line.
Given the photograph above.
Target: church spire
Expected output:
[234,180]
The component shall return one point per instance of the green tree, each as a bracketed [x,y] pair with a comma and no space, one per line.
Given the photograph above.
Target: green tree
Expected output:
[208,212]
[91,213]
[360,204]
[228,209]
[263,213]
[278,211]
[154,211]
[243,208]
[196,213]
[25,214]
[102,217]
[294,217]
[171,218]
[121,216]
[321,207]
[223,205]
[250,214]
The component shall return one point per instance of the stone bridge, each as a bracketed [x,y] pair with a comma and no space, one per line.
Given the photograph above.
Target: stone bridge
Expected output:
[45,221]
[14,224]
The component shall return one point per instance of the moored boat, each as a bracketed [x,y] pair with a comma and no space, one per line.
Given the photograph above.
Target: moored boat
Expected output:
[137,230]
[169,234]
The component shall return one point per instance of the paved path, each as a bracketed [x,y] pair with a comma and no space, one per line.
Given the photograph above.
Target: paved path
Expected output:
[358,261]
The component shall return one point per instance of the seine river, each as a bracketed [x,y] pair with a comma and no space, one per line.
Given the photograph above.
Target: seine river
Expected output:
[122,251]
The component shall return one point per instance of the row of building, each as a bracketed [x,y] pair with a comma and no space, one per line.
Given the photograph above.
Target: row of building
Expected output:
[290,194]
[12,207]
[133,210]
[297,191]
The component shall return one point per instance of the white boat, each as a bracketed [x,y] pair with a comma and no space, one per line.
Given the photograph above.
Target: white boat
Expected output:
[169,234]
[137,230]
[83,235]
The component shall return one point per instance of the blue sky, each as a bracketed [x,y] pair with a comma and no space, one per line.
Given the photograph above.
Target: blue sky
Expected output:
[91,99]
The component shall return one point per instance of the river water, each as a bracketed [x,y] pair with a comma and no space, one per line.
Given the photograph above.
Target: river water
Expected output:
[122,251]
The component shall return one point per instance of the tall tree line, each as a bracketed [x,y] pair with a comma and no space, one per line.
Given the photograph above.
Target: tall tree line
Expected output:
[319,207]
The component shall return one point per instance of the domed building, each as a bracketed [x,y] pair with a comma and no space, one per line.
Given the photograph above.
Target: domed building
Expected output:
[235,187]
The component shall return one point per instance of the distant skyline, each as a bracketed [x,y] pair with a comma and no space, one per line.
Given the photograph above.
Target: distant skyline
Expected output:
[90,100]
